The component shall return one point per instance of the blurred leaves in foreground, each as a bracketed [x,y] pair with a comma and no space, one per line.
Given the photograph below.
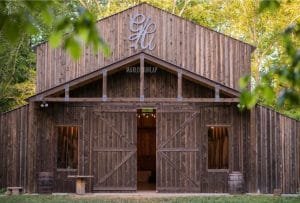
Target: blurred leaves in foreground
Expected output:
[26,17]
[279,85]
[26,23]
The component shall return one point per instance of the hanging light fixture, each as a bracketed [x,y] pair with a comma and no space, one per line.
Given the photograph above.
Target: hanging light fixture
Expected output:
[44,105]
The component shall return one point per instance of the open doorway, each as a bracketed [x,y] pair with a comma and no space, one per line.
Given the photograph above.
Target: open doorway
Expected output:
[146,149]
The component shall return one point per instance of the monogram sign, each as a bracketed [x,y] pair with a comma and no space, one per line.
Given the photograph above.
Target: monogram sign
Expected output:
[143,30]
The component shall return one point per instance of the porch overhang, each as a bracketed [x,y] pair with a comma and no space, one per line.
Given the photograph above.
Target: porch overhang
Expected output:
[136,58]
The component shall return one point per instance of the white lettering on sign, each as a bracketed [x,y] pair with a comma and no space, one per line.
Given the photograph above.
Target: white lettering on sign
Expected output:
[143,29]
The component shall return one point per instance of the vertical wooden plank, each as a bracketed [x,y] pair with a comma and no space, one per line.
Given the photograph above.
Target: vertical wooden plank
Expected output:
[142,76]
[179,85]
[253,152]
[104,85]
[67,94]
[221,59]
[217,92]
[31,173]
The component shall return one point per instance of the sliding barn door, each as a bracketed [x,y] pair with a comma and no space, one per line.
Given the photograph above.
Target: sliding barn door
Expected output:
[114,150]
[178,152]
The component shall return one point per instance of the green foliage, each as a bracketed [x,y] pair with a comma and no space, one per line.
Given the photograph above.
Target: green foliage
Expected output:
[81,30]
[279,84]
[2,190]
[28,17]
[24,24]
[17,72]
[268,5]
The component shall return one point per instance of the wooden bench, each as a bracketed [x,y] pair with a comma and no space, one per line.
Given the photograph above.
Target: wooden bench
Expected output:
[14,190]
[80,183]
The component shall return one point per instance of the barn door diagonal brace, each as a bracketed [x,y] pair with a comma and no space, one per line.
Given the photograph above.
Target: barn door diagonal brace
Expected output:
[124,160]
[178,169]
[184,124]
[121,136]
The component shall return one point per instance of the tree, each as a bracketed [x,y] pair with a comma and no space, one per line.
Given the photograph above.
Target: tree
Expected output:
[24,24]
[279,81]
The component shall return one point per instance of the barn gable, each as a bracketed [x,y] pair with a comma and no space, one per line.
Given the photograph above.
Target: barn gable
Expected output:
[161,80]
[192,47]
[126,83]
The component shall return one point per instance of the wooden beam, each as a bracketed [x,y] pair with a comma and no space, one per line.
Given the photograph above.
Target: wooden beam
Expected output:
[137,99]
[104,85]
[67,92]
[217,92]
[142,75]
[179,85]
[113,149]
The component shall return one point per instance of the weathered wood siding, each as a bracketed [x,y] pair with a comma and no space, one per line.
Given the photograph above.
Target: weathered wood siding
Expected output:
[275,152]
[49,119]
[182,146]
[102,145]
[14,148]
[123,84]
[193,90]
[92,89]
[183,43]
[160,84]
[107,144]
[269,159]
[114,158]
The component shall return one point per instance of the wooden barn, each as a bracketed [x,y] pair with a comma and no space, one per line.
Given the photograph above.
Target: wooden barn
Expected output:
[159,114]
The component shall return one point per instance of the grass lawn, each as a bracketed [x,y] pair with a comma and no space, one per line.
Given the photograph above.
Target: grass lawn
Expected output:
[99,199]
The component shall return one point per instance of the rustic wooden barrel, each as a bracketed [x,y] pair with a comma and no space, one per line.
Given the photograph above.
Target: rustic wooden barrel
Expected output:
[236,182]
[45,182]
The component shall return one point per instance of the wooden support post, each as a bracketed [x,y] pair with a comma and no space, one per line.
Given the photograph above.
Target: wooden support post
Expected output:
[253,180]
[104,85]
[80,186]
[217,92]
[67,94]
[31,150]
[179,85]
[142,74]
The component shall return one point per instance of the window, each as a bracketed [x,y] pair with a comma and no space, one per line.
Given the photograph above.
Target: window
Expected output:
[218,147]
[67,147]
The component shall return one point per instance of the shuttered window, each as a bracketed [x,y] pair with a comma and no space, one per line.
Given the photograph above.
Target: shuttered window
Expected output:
[218,147]
[67,147]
